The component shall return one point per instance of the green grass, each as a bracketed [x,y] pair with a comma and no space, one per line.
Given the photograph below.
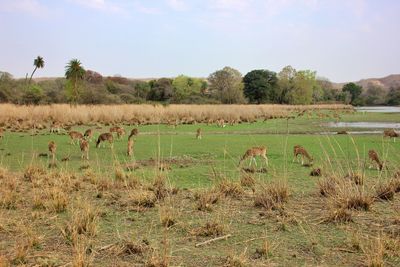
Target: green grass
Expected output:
[296,233]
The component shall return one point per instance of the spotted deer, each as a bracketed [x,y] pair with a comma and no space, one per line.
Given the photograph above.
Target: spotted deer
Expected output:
[374,159]
[84,146]
[134,132]
[55,127]
[105,137]
[198,133]
[253,152]
[120,131]
[299,150]
[391,134]
[75,136]
[221,123]
[130,147]
[52,149]
[88,134]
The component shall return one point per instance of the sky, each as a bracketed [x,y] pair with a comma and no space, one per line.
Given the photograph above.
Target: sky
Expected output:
[343,40]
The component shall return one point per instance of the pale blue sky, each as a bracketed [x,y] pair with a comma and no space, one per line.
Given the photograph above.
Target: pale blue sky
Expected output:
[343,40]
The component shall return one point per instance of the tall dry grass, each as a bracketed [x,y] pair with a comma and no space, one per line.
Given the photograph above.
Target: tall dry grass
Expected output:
[147,114]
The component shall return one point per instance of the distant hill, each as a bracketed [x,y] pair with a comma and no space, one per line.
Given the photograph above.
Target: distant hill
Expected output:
[385,82]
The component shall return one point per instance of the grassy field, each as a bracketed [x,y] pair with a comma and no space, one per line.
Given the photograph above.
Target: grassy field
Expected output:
[185,191]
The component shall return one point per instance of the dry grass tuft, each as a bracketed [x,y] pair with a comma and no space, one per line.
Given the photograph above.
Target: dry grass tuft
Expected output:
[247,180]
[272,196]
[82,254]
[350,196]
[327,186]
[236,260]
[33,173]
[131,248]
[213,229]
[160,188]
[141,198]
[57,200]
[385,191]
[168,216]
[339,215]
[357,178]
[206,199]
[230,189]
[374,253]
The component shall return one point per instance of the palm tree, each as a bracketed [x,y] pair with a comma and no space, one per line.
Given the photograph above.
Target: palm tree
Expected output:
[38,63]
[74,72]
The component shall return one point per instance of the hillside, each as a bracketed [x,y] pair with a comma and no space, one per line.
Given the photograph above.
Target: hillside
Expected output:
[386,83]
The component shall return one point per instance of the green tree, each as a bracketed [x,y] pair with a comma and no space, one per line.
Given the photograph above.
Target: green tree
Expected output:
[74,72]
[260,86]
[38,63]
[393,96]
[33,95]
[226,85]
[375,95]
[160,90]
[354,90]
[185,86]
[285,84]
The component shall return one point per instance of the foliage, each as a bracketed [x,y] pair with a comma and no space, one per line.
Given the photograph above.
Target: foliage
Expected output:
[33,95]
[226,85]
[160,90]
[185,86]
[74,72]
[375,95]
[354,90]
[260,86]
[38,63]
[393,96]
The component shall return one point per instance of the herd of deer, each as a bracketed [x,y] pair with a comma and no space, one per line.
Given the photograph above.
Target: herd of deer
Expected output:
[252,153]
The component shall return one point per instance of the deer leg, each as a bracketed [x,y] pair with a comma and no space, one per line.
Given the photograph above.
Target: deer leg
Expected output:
[302,160]
[266,160]
[255,161]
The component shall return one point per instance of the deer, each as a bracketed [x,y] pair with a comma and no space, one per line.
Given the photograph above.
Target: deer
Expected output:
[75,136]
[52,149]
[134,132]
[299,150]
[198,133]
[84,146]
[221,123]
[88,134]
[105,137]
[253,152]
[391,134]
[55,127]
[130,147]
[374,158]
[120,131]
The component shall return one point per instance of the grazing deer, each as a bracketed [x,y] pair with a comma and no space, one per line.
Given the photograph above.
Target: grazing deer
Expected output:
[88,134]
[391,134]
[120,131]
[52,150]
[253,152]
[105,137]
[134,132]
[198,133]
[55,127]
[84,145]
[299,150]
[75,136]
[374,158]
[221,123]
[130,147]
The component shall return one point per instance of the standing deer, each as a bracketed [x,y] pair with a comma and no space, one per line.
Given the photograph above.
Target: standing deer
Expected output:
[134,132]
[374,158]
[84,145]
[130,147]
[120,131]
[55,127]
[198,133]
[75,136]
[253,152]
[52,150]
[105,137]
[299,150]
[88,134]
[391,134]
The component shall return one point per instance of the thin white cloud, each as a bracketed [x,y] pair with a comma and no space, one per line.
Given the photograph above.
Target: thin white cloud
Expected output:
[178,5]
[33,7]
[139,7]
[102,5]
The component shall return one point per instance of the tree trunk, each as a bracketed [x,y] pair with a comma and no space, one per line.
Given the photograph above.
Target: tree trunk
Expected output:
[33,72]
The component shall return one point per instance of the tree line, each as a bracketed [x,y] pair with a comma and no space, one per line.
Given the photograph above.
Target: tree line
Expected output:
[225,86]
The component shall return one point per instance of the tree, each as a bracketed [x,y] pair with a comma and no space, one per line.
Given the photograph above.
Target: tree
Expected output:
[375,95]
[38,63]
[161,90]
[33,95]
[74,72]
[260,86]
[185,86]
[227,86]
[393,96]
[285,84]
[354,90]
